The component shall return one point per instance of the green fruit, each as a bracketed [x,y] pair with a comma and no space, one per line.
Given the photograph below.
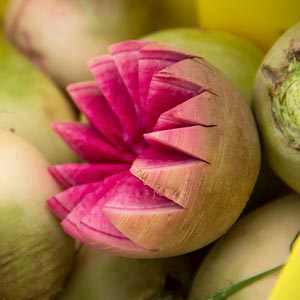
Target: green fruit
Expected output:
[62,35]
[276,102]
[257,243]
[29,102]
[234,56]
[100,276]
[35,254]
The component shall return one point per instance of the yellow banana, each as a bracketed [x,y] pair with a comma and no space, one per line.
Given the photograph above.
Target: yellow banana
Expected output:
[3,4]
[261,22]
[287,286]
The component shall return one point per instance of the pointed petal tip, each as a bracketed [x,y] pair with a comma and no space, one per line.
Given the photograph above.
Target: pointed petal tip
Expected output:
[73,87]
[56,174]
[126,46]
[71,229]
[58,124]
[104,241]
[95,61]
[60,211]
[60,127]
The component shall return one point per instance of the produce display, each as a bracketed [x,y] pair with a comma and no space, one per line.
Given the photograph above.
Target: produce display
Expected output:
[36,256]
[29,102]
[149,150]
[239,60]
[287,284]
[276,97]
[233,55]
[61,35]
[169,112]
[103,276]
[172,13]
[258,242]
[261,22]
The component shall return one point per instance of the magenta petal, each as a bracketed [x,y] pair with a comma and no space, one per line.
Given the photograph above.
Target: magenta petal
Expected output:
[164,123]
[157,157]
[73,219]
[132,194]
[195,141]
[166,92]
[61,204]
[153,58]
[191,112]
[60,211]
[88,144]
[126,56]
[94,106]
[77,174]
[112,86]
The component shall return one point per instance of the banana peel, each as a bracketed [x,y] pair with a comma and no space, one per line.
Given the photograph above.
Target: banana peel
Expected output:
[3,5]
[287,286]
[261,23]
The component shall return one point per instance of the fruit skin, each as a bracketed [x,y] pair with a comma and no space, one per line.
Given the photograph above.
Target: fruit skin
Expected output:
[262,24]
[3,5]
[61,35]
[279,152]
[172,13]
[239,60]
[98,275]
[203,191]
[233,55]
[29,102]
[287,284]
[256,243]
[35,254]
